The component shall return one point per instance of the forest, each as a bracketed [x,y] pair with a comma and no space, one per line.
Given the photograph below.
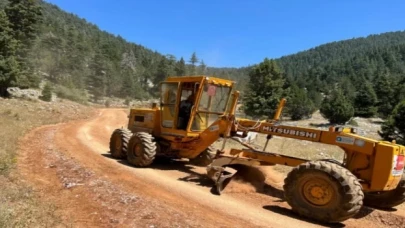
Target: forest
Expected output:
[355,77]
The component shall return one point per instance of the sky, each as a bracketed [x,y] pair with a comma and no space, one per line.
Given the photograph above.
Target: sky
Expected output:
[226,33]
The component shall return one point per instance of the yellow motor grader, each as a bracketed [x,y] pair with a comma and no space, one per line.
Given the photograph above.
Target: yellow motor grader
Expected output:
[196,111]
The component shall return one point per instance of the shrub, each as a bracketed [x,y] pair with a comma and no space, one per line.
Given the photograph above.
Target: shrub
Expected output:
[394,127]
[107,103]
[299,106]
[46,93]
[72,94]
[336,108]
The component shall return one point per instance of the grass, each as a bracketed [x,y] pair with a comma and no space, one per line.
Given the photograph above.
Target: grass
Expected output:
[19,205]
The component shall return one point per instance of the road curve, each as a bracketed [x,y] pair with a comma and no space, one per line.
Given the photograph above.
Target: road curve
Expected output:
[69,165]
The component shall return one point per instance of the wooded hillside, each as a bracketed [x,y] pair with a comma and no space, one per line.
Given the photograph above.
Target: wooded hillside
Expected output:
[79,59]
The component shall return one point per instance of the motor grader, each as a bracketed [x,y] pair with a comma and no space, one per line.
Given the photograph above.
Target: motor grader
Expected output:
[326,190]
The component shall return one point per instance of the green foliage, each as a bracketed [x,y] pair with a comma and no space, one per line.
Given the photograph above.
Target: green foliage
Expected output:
[97,84]
[365,100]
[265,89]
[316,98]
[299,106]
[180,67]
[202,68]
[353,122]
[71,51]
[25,16]
[385,91]
[72,94]
[346,64]
[193,60]
[18,28]
[47,92]
[336,108]
[9,67]
[394,127]
[64,47]
[348,89]
[162,71]
[8,42]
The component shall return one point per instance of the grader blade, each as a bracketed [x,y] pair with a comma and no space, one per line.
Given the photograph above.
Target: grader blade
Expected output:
[224,169]
[221,175]
[223,181]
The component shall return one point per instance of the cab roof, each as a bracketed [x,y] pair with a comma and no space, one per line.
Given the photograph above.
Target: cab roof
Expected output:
[200,78]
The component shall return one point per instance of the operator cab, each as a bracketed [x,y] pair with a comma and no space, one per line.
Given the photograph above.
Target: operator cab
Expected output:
[192,104]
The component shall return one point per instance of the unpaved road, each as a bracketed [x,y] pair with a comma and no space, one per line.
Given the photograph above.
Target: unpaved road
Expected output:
[69,165]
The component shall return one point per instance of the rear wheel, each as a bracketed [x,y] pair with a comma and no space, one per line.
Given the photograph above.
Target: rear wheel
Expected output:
[204,158]
[141,149]
[323,191]
[386,199]
[119,142]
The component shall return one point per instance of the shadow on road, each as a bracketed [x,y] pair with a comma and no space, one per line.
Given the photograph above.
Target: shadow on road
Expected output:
[205,181]
[291,214]
[172,164]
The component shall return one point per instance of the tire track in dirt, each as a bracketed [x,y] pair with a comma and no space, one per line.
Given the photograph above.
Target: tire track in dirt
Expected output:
[113,194]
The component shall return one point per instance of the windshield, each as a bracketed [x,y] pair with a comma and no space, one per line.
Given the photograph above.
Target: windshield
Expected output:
[214,98]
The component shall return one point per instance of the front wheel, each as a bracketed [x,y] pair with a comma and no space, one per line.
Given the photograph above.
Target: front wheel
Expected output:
[323,191]
[386,199]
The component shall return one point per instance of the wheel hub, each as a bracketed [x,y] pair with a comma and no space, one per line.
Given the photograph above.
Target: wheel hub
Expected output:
[118,144]
[318,192]
[138,149]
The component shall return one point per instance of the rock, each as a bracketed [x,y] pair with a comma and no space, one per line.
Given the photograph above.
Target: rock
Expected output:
[16,92]
[71,185]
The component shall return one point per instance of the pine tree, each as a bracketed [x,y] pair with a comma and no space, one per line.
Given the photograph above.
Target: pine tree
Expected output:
[98,77]
[203,68]
[162,71]
[365,100]
[315,97]
[384,89]
[399,95]
[47,92]
[348,89]
[130,88]
[24,17]
[193,60]
[171,62]
[336,108]
[180,68]
[394,127]
[299,106]
[9,67]
[265,89]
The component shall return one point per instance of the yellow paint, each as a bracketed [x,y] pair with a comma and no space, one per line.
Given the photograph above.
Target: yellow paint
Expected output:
[370,160]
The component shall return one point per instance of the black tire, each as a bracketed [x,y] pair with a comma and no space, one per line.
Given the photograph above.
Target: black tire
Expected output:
[323,191]
[141,149]
[386,199]
[204,158]
[119,142]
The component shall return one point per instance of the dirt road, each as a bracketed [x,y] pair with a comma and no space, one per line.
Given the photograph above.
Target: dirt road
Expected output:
[69,165]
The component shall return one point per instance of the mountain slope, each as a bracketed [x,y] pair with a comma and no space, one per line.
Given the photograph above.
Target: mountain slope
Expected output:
[78,54]
[368,49]
[80,59]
